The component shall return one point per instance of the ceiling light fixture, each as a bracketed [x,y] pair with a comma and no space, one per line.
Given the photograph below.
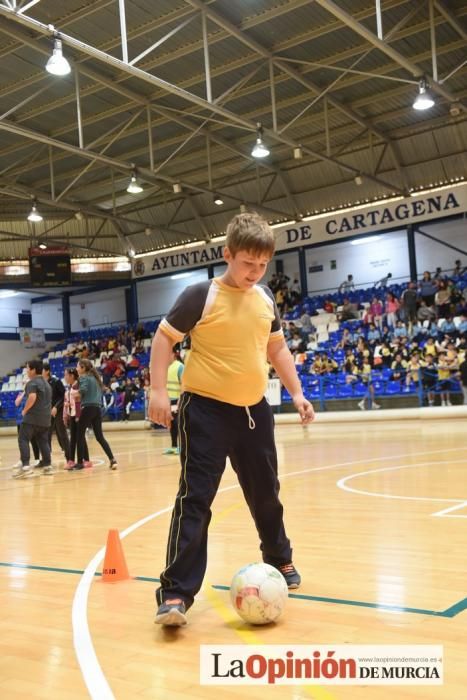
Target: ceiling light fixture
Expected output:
[424,99]
[43,246]
[298,153]
[358,180]
[57,63]
[34,215]
[177,188]
[218,200]
[259,149]
[133,186]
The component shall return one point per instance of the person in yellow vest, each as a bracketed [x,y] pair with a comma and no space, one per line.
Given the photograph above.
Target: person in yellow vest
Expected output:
[174,389]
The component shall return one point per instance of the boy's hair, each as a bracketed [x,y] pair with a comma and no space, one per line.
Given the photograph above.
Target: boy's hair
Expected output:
[250,232]
[45,366]
[36,365]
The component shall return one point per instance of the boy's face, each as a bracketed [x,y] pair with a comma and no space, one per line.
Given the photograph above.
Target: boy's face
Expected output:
[245,268]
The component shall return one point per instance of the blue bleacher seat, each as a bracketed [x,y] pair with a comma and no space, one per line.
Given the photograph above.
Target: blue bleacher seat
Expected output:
[393,387]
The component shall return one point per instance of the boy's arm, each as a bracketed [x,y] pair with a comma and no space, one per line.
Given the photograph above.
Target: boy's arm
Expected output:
[282,360]
[30,401]
[159,403]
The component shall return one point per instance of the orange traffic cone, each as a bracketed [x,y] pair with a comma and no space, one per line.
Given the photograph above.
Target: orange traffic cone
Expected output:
[115,568]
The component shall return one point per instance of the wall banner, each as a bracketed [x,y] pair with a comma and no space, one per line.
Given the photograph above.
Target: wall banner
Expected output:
[32,337]
[361,220]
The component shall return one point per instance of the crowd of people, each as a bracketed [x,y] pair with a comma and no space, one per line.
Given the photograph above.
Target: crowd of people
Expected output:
[47,405]
[417,337]
[411,335]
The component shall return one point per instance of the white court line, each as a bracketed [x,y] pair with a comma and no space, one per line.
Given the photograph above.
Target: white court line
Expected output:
[442,513]
[93,675]
[94,678]
[342,484]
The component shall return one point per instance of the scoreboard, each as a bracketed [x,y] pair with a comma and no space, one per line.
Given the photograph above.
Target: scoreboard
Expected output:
[50,267]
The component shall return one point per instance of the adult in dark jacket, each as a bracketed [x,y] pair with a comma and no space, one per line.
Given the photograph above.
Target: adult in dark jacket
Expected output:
[57,424]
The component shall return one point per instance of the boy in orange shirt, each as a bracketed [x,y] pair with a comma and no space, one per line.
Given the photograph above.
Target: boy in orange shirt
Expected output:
[235,328]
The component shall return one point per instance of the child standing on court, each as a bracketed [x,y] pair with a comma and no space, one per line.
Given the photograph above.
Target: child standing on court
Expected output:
[235,328]
[90,390]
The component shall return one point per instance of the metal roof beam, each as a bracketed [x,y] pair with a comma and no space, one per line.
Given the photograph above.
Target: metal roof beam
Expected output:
[450,17]
[281,64]
[390,51]
[175,90]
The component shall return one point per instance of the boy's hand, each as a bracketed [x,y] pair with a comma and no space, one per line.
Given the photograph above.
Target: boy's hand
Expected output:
[159,407]
[304,408]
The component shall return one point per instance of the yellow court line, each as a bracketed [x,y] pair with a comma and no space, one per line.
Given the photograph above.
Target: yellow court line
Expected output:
[231,619]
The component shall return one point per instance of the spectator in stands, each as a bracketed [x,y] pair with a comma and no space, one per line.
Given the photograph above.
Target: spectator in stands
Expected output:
[365,375]
[458,270]
[444,379]
[329,307]
[409,303]
[375,312]
[462,328]
[71,414]
[427,288]
[108,400]
[398,366]
[307,325]
[373,333]
[273,283]
[391,308]
[130,392]
[400,331]
[351,370]
[36,421]
[413,369]
[280,297]
[383,282]
[57,424]
[430,348]
[463,378]
[140,332]
[425,313]
[443,300]
[294,342]
[438,274]
[138,348]
[113,367]
[295,292]
[386,355]
[347,285]
[448,327]
[429,378]
[348,311]
[90,389]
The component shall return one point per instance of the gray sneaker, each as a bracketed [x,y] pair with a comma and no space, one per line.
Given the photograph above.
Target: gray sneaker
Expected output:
[23,472]
[171,614]
[48,470]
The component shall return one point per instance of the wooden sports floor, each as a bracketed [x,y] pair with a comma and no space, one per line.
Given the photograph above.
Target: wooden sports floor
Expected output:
[378,517]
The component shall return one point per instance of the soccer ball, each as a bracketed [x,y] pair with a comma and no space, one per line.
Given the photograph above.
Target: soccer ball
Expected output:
[258,593]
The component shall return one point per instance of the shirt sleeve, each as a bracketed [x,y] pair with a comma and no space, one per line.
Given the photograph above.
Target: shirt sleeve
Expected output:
[186,311]
[31,388]
[276,326]
[83,386]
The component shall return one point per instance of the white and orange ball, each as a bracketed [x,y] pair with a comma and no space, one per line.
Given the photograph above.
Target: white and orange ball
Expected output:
[258,593]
